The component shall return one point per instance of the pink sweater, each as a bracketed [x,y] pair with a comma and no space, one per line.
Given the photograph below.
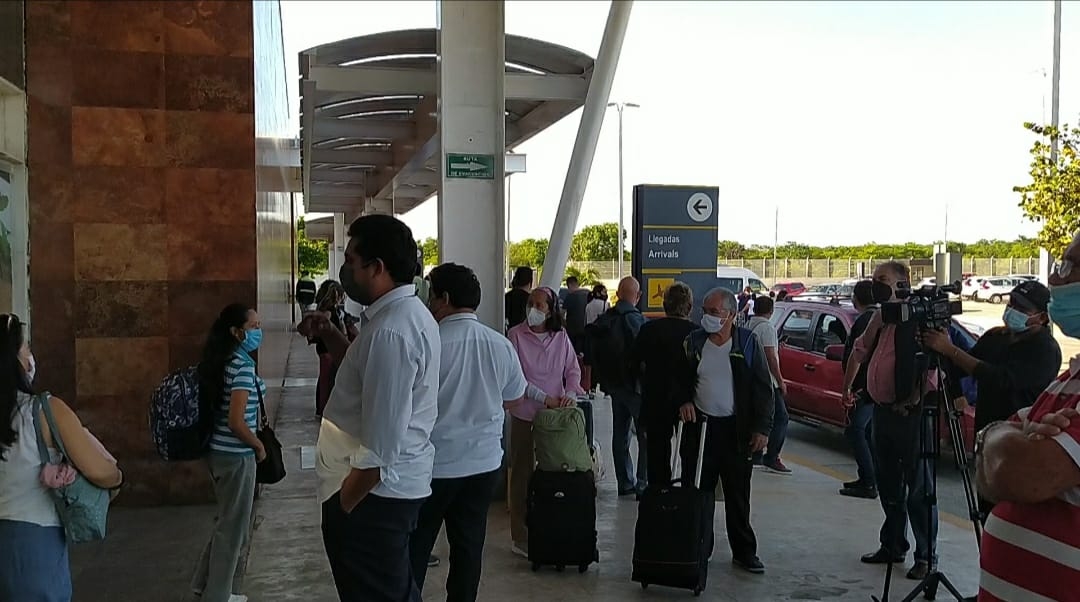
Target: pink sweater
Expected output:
[881,373]
[549,362]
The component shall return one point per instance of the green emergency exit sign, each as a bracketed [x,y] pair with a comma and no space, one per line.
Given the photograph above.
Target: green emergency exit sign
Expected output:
[472,167]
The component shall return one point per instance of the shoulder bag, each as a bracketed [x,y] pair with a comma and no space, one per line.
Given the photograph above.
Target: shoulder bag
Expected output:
[272,469]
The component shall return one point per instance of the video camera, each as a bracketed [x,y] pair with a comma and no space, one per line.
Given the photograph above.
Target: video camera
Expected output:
[929,306]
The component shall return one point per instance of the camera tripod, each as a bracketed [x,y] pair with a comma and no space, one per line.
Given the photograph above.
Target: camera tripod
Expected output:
[930,408]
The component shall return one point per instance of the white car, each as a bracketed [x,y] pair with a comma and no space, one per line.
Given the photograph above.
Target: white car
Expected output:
[1023,277]
[970,285]
[995,290]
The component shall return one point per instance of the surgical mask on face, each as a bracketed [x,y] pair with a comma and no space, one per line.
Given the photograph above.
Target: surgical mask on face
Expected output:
[882,292]
[1064,308]
[31,369]
[252,340]
[712,324]
[1015,320]
[354,290]
[535,317]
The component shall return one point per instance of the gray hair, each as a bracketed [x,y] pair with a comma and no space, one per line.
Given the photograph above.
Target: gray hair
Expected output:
[727,298]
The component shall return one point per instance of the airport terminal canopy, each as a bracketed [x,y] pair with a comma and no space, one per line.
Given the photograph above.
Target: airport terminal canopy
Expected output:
[369,114]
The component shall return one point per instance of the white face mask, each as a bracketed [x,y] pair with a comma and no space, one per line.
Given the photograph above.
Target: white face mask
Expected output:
[536,317]
[32,369]
[712,324]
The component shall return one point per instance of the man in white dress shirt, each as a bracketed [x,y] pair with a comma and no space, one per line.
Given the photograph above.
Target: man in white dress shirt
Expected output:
[375,454]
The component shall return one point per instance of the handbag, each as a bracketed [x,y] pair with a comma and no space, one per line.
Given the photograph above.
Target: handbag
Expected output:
[272,469]
[82,506]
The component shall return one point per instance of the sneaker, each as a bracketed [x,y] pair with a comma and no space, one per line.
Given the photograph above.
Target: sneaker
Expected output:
[519,551]
[853,484]
[882,556]
[919,571]
[777,467]
[238,598]
[432,561]
[860,491]
[750,564]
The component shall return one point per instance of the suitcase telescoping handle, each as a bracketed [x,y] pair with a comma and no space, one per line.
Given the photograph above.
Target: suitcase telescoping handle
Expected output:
[677,456]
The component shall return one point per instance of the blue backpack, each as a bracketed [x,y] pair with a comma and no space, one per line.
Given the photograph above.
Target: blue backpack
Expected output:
[179,425]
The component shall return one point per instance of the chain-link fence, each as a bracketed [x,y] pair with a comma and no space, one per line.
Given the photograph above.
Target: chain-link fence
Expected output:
[828,269]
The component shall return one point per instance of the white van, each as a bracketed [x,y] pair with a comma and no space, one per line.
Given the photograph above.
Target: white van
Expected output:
[737,279]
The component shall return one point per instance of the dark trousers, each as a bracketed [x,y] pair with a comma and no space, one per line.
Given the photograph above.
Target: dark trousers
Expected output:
[626,410]
[461,503]
[727,460]
[778,434]
[368,548]
[902,475]
[658,434]
[859,433]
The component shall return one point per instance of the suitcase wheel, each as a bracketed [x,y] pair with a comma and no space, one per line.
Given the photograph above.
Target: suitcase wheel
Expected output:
[560,568]
[535,566]
[581,568]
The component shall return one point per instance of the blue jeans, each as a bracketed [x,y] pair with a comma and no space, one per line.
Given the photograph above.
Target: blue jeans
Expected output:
[33,563]
[778,434]
[902,475]
[859,433]
[626,410]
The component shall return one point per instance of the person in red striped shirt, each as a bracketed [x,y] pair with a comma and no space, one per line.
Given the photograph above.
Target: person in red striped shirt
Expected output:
[1030,466]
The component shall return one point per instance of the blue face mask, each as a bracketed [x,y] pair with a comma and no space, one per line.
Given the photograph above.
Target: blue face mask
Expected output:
[252,340]
[1015,320]
[1064,308]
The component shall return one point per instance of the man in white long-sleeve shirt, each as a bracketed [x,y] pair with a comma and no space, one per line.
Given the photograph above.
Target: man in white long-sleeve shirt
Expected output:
[375,454]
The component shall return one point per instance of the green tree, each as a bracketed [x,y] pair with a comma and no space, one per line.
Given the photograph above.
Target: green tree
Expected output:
[430,248]
[729,249]
[311,255]
[586,276]
[1052,197]
[598,242]
[529,252]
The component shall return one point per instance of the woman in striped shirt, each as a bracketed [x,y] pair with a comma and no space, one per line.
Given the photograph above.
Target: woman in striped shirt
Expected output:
[227,382]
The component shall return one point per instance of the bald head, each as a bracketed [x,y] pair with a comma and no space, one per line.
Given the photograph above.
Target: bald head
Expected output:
[629,290]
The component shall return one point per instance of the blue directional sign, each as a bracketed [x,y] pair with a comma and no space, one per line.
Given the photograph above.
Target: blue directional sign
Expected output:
[674,238]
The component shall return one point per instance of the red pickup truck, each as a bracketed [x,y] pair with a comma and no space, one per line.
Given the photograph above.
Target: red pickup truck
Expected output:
[812,371]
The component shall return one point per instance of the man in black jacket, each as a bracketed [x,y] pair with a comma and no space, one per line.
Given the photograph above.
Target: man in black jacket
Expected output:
[657,355]
[1012,364]
[725,380]
[862,412]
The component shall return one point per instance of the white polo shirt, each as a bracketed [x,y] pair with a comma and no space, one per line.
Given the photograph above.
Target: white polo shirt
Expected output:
[479,370]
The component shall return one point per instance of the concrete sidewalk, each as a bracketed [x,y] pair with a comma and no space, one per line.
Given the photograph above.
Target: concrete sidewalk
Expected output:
[810,538]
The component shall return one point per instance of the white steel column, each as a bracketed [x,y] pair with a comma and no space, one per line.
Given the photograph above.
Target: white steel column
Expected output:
[472,121]
[592,118]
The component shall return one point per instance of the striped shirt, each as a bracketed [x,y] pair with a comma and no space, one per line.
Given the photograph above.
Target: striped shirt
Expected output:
[1031,552]
[239,376]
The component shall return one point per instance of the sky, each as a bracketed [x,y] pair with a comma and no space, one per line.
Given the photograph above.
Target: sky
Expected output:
[851,121]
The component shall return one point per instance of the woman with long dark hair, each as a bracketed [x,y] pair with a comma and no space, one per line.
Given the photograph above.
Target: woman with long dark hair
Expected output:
[34,556]
[329,300]
[228,383]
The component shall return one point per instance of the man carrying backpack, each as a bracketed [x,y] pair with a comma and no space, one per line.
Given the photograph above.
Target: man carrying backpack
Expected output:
[725,381]
[611,338]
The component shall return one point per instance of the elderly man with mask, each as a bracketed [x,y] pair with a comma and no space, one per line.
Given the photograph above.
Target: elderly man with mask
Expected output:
[1030,466]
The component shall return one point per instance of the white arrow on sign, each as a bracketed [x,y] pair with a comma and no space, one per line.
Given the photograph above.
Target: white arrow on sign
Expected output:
[469,166]
[699,207]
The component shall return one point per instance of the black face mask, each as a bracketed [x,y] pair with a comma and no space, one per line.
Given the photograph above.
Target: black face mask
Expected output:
[352,288]
[882,292]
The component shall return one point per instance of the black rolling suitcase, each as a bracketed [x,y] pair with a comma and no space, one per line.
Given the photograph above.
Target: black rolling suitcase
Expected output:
[674,529]
[562,520]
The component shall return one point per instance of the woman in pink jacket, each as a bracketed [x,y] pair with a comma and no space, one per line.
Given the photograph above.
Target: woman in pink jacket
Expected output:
[551,369]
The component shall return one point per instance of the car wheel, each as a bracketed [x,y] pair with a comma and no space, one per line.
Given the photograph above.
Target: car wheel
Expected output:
[995,299]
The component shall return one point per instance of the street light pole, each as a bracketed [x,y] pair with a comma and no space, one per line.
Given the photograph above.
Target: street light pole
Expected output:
[619,106]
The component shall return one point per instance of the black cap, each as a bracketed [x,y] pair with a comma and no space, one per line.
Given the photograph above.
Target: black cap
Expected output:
[1030,295]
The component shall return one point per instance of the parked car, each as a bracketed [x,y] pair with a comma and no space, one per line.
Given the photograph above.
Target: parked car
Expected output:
[1023,277]
[971,284]
[995,290]
[811,336]
[825,292]
[792,288]
[737,279]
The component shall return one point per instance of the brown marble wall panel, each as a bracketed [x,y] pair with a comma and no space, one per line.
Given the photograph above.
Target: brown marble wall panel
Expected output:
[50,81]
[121,309]
[107,78]
[129,367]
[52,335]
[193,306]
[198,139]
[118,195]
[105,252]
[222,28]
[209,83]
[52,245]
[185,351]
[195,197]
[51,188]
[109,136]
[48,21]
[211,253]
[52,142]
[134,26]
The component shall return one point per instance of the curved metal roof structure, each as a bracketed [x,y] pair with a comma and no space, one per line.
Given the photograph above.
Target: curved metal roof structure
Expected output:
[369,114]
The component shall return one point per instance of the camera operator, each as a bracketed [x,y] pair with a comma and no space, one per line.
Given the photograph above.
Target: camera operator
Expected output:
[894,383]
[1012,364]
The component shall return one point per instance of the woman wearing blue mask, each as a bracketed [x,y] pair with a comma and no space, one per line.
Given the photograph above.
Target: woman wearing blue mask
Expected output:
[1012,364]
[229,384]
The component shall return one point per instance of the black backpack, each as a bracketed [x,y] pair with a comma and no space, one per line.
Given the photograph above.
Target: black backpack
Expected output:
[610,340]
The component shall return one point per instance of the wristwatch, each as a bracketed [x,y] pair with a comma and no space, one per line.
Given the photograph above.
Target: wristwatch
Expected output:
[980,437]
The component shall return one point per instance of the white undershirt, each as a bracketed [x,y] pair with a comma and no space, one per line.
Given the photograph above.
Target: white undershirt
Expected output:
[715,393]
